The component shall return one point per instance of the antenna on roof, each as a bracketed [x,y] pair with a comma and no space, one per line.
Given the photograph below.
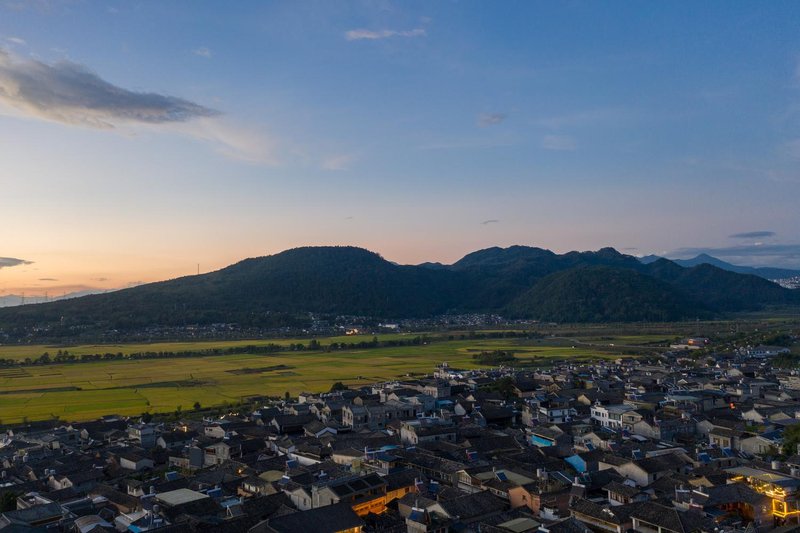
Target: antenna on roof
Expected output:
[198,269]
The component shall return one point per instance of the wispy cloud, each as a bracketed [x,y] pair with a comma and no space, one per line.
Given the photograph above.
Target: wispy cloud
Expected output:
[558,142]
[70,93]
[338,162]
[202,52]
[16,40]
[372,35]
[48,279]
[6,262]
[490,221]
[752,235]
[490,119]
[233,140]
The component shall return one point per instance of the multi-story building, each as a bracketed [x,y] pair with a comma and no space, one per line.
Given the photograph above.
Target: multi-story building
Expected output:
[609,416]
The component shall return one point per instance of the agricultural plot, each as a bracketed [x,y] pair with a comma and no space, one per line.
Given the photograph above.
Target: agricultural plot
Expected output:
[81,391]
[20,353]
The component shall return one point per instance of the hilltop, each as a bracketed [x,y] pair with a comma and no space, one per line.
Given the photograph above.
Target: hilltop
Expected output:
[282,289]
[701,259]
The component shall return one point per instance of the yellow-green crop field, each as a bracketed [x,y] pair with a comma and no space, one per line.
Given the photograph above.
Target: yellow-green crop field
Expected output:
[20,352]
[82,391]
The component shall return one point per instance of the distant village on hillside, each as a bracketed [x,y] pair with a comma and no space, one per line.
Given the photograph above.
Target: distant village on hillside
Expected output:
[670,445]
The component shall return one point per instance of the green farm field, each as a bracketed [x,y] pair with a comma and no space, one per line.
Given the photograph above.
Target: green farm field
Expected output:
[20,352]
[87,390]
[82,391]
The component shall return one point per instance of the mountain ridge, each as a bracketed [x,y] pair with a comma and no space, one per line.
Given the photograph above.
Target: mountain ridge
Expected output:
[770,273]
[282,289]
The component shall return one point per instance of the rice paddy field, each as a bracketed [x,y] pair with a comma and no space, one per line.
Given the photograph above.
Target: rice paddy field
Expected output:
[82,391]
[88,390]
[20,352]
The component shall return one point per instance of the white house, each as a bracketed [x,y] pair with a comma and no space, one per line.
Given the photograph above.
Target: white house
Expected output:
[610,416]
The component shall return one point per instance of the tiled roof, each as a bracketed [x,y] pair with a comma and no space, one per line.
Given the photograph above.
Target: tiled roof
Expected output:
[473,505]
[328,519]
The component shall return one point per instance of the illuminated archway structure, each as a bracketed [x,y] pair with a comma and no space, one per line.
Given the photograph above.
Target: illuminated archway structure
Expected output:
[784,491]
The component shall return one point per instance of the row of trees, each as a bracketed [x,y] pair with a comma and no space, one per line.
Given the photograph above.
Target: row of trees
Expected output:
[503,334]
[64,356]
[495,357]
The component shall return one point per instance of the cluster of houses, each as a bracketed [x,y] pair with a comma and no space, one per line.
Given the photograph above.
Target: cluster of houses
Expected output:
[789,283]
[608,446]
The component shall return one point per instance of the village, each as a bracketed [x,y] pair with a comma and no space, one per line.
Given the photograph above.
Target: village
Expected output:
[669,444]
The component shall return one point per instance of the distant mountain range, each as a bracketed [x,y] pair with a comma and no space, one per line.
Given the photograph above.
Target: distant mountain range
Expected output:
[8,300]
[520,281]
[705,259]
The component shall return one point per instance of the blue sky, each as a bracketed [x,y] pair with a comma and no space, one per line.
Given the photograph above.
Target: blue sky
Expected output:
[139,139]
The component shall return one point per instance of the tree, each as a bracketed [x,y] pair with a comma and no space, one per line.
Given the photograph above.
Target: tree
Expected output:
[147,417]
[287,396]
[504,386]
[791,438]
[8,501]
[496,357]
[197,406]
[338,386]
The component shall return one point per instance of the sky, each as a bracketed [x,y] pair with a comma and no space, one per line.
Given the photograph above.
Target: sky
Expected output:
[142,141]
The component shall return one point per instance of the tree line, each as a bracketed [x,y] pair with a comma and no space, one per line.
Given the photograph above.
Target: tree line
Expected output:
[495,357]
[65,357]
